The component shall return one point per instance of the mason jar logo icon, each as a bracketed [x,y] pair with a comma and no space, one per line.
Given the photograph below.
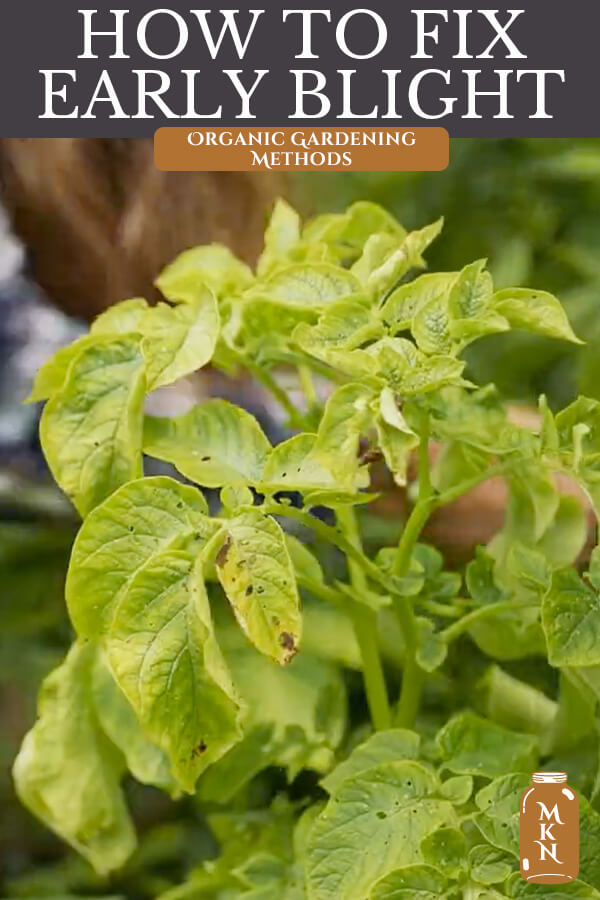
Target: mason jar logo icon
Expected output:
[549,830]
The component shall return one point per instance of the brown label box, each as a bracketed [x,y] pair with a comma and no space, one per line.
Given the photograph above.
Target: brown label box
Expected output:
[301,149]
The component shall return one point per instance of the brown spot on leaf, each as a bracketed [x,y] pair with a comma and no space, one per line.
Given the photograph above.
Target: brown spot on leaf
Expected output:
[199,750]
[223,552]
[249,590]
[287,642]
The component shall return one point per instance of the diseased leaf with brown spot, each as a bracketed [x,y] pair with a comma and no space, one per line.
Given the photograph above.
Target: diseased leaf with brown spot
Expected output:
[256,572]
[222,554]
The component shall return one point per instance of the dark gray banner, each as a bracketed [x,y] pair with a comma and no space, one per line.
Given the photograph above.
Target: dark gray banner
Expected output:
[528,70]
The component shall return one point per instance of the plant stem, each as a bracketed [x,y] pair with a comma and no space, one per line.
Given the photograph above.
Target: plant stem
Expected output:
[423,507]
[308,386]
[413,676]
[364,621]
[483,612]
[335,537]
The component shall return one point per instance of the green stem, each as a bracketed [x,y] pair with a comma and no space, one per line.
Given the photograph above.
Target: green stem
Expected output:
[413,676]
[308,386]
[483,612]
[468,485]
[364,621]
[333,536]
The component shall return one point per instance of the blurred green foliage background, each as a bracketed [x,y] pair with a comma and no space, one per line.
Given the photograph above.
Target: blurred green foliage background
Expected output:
[532,207]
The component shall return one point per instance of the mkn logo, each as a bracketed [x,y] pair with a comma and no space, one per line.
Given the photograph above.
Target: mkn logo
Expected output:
[549,830]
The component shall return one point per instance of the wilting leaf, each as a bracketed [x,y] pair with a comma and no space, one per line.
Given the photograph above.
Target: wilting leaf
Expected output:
[295,718]
[68,772]
[164,654]
[145,761]
[256,572]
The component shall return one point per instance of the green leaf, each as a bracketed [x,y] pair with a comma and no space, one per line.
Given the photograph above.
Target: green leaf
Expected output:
[458,789]
[574,890]
[535,311]
[263,328]
[126,317]
[432,326]
[470,745]
[308,286]
[268,877]
[91,430]
[256,573]
[362,219]
[295,718]
[213,265]
[281,237]
[409,372]
[138,522]
[566,536]
[471,292]
[499,804]
[293,466]
[385,260]
[381,747]
[571,620]
[515,704]
[400,307]
[411,883]
[511,634]
[67,772]
[347,414]
[394,437]
[180,340]
[432,649]
[445,849]
[341,329]
[165,657]
[533,502]
[145,761]
[389,809]
[214,444]
[52,374]
[488,865]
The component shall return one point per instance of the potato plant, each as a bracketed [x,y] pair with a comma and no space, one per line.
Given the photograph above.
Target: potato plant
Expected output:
[222,617]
